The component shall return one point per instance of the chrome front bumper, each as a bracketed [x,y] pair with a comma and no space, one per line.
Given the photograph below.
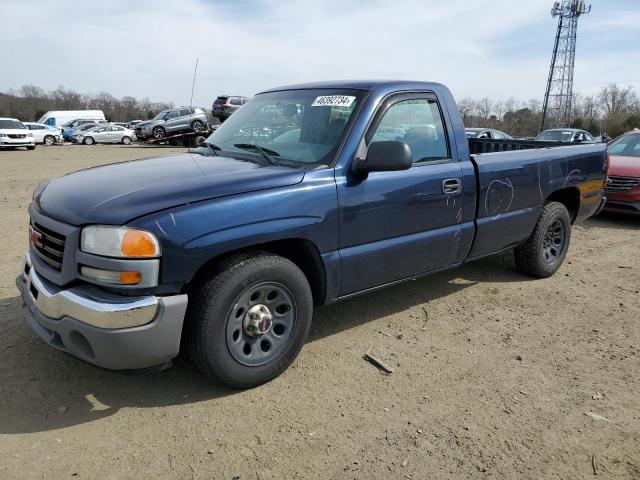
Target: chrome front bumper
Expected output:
[89,304]
[108,330]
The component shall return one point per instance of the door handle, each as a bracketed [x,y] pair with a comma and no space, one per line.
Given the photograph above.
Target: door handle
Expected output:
[451,186]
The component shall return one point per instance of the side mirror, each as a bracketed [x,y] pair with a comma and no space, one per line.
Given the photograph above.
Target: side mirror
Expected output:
[384,157]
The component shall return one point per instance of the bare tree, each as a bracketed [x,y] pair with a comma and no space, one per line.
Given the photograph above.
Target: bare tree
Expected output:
[617,101]
[466,107]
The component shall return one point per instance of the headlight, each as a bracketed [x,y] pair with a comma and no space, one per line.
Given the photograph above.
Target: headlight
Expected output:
[4,135]
[119,242]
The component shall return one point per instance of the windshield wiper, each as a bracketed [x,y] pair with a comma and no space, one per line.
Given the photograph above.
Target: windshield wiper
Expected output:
[265,152]
[212,147]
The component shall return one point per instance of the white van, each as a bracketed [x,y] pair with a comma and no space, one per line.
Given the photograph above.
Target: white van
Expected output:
[58,118]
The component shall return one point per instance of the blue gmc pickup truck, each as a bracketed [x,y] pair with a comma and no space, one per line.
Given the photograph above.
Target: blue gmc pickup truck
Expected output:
[307,195]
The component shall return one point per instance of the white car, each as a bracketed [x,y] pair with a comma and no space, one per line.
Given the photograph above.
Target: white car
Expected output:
[106,134]
[13,134]
[42,133]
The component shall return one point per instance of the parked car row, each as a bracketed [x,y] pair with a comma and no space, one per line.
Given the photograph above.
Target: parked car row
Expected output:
[622,188]
[568,135]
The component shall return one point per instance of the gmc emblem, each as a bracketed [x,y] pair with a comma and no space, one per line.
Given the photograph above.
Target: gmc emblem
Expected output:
[35,237]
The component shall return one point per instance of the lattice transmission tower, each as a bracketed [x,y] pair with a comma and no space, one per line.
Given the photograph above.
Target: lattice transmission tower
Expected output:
[558,99]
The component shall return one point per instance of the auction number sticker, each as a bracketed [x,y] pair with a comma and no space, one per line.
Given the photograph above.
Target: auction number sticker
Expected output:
[333,101]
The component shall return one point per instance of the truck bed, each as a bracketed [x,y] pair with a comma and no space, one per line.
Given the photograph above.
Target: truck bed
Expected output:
[513,184]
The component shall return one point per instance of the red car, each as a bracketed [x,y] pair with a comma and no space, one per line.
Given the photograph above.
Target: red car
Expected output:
[623,182]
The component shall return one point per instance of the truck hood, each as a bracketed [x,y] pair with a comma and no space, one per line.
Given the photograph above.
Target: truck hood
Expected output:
[624,166]
[115,194]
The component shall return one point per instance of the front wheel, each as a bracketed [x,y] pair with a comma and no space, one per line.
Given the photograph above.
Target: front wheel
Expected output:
[88,141]
[49,140]
[31,147]
[544,251]
[248,321]
[159,133]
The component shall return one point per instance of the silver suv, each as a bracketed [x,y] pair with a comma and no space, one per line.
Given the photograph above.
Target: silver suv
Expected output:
[176,120]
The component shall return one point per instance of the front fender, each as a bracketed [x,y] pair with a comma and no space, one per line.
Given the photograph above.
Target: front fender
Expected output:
[194,234]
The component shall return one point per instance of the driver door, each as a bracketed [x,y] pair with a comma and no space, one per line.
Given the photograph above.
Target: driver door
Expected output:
[399,224]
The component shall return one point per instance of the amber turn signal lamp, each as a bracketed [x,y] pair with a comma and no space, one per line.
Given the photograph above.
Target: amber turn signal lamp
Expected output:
[136,243]
[130,278]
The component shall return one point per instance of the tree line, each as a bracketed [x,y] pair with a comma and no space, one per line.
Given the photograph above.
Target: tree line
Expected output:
[614,110]
[30,102]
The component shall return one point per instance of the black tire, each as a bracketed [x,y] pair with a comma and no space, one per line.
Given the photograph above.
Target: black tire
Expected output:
[31,147]
[211,308]
[49,140]
[198,141]
[197,126]
[544,251]
[159,133]
[126,140]
[88,141]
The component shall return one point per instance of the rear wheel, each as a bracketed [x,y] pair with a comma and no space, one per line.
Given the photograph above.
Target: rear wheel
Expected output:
[49,140]
[197,126]
[544,251]
[248,321]
[126,140]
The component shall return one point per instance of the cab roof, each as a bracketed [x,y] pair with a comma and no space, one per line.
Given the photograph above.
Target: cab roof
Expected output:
[367,85]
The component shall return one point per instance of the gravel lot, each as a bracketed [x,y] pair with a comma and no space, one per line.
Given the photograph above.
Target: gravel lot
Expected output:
[494,373]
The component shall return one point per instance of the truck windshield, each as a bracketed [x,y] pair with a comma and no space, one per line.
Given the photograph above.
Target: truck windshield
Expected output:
[302,126]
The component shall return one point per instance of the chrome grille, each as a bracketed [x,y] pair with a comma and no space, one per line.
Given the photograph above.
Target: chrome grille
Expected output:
[621,184]
[48,245]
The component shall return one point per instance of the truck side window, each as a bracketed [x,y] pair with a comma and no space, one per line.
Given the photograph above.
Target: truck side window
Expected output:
[416,122]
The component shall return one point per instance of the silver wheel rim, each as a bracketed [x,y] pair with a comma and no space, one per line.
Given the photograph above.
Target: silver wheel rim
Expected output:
[126,140]
[197,127]
[48,140]
[553,242]
[158,132]
[260,323]
[89,141]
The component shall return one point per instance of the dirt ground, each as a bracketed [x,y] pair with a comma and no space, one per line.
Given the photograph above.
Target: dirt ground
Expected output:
[494,372]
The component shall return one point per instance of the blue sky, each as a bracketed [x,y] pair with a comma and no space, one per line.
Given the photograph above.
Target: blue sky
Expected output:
[494,48]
